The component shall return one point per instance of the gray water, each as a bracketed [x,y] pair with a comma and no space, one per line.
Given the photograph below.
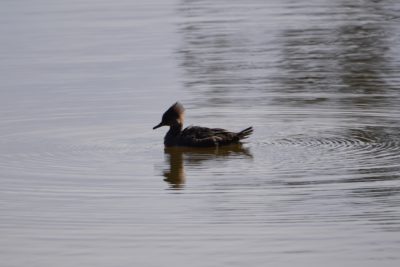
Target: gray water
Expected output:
[85,181]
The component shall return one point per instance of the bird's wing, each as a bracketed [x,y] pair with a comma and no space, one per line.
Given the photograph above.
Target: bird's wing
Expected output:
[205,137]
[198,137]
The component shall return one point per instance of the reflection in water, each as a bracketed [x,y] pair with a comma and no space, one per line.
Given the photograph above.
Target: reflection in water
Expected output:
[320,82]
[222,56]
[325,78]
[176,157]
[175,175]
[363,56]
[340,58]
[346,57]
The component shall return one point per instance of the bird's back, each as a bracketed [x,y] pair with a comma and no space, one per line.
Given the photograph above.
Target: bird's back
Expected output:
[197,136]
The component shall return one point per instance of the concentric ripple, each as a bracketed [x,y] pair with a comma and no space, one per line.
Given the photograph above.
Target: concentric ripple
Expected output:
[84,180]
[81,151]
[355,151]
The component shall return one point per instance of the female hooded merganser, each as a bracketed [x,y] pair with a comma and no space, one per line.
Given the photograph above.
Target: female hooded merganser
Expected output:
[195,136]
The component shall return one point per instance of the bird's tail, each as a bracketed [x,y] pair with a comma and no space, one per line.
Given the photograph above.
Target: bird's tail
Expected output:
[245,133]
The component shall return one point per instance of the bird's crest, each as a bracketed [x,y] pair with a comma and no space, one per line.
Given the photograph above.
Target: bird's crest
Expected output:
[176,111]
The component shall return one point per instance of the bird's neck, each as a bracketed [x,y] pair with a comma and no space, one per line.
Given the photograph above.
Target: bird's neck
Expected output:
[175,128]
[172,136]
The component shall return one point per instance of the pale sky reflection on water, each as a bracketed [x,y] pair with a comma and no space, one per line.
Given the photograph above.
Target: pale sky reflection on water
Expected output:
[86,181]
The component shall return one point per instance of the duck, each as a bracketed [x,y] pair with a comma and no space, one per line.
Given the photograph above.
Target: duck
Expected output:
[196,136]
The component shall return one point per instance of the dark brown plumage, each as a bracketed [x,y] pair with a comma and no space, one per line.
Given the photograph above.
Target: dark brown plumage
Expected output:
[195,136]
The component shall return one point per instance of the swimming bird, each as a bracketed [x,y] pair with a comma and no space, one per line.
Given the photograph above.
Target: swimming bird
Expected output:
[196,136]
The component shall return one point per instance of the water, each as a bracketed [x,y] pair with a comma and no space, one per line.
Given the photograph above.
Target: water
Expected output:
[85,181]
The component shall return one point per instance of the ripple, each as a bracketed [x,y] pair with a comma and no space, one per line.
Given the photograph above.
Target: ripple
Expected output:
[74,151]
[354,151]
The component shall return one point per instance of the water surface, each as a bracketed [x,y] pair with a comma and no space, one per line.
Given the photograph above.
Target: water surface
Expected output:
[86,181]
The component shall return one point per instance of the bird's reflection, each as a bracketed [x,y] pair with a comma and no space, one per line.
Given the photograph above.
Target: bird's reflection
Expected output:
[177,157]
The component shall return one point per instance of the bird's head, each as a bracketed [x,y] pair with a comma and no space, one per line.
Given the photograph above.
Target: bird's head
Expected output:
[173,116]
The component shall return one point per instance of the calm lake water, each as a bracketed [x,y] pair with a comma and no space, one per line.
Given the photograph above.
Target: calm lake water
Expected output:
[85,181]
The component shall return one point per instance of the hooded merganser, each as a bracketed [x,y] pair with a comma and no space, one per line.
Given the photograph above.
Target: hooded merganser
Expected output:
[195,136]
